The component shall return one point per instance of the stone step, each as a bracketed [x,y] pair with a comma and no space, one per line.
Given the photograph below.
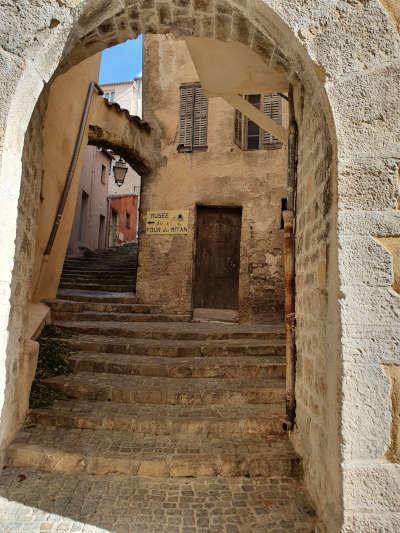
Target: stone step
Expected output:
[123,287]
[128,297]
[72,306]
[174,331]
[117,258]
[120,268]
[99,452]
[200,421]
[172,391]
[180,367]
[117,317]
[174,348]
[101,274]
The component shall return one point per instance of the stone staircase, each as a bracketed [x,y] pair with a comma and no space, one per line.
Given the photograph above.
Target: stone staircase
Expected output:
[109,270]
[161,400]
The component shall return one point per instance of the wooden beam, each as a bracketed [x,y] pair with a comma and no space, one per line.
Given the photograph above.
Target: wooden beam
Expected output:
[254,114]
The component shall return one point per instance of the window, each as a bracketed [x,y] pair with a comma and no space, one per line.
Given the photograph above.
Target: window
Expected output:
[248,135]
[109,95]
[83,219]
[128,220]
[193,118]
[103,174]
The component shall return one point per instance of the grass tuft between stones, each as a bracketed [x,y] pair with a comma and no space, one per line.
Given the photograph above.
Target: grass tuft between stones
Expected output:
[52,361]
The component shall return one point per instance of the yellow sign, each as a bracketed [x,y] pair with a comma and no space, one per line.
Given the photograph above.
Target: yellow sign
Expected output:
[172,222]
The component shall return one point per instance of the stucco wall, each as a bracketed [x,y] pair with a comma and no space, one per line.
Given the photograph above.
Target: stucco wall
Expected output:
[60,127]
[222,175]
[91,183]
[122,205]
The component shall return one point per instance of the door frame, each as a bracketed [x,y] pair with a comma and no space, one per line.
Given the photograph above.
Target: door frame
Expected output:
[194,249]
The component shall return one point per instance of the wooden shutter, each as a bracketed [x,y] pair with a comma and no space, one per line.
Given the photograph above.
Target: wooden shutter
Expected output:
[272,107]
[186,106]
[200,118]
[239,128]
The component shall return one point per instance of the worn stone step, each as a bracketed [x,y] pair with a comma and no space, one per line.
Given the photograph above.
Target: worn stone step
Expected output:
[77,295]
[107,273]
[94,268]
[100,275]
[174,331]
[72,306]
[109,452]
[197,367]
[174,348]
[126,260]
[173,391]
[202,421]
[117,317]
[98,286]
[83,266]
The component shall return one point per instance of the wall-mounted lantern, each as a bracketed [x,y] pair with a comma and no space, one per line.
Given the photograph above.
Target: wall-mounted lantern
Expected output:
[120,169]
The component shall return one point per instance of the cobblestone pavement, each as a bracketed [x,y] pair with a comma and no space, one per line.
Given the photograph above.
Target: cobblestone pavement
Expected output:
[36,502]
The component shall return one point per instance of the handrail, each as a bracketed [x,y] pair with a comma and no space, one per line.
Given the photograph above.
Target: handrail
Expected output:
[93,87]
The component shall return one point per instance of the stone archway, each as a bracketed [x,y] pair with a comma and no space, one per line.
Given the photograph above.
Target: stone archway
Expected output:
[343,57]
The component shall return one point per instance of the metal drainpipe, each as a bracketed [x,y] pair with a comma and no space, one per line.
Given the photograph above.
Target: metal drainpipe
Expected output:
[93,87]
[289,267]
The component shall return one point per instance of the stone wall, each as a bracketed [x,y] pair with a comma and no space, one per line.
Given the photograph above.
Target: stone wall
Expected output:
[316,433]
[223,175]
[346,55]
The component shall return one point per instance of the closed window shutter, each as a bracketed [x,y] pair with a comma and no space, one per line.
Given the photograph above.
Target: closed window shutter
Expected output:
[272,107]
[238,128]
[193,118]
[186,118]
[200,118]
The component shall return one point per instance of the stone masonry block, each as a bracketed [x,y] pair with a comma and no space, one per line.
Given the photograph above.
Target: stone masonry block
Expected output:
[369,223]
[369,305]
[355,36]
[369,184]
[360,522]
[23,21]
[381,479]
[366,412]
[366,109]
[370,345]
[371,262]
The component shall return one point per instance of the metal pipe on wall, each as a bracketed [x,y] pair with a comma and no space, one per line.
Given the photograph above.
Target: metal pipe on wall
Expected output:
[289,265]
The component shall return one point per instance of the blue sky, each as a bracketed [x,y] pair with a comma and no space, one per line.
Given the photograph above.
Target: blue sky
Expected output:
[122,62]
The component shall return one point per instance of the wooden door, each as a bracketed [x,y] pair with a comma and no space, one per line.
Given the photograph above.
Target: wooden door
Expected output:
[217,262]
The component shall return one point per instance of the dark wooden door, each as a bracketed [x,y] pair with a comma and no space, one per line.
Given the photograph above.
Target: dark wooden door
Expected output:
[217,263]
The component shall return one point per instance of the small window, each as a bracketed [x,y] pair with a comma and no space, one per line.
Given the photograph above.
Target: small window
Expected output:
[128,220]
[109,95]
[103,174]
[193,118]
[248,135]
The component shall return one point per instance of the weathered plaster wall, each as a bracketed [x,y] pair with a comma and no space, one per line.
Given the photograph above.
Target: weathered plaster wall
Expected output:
[222,175]
[346,54]
[60,127]
[124,204]
[91,183]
